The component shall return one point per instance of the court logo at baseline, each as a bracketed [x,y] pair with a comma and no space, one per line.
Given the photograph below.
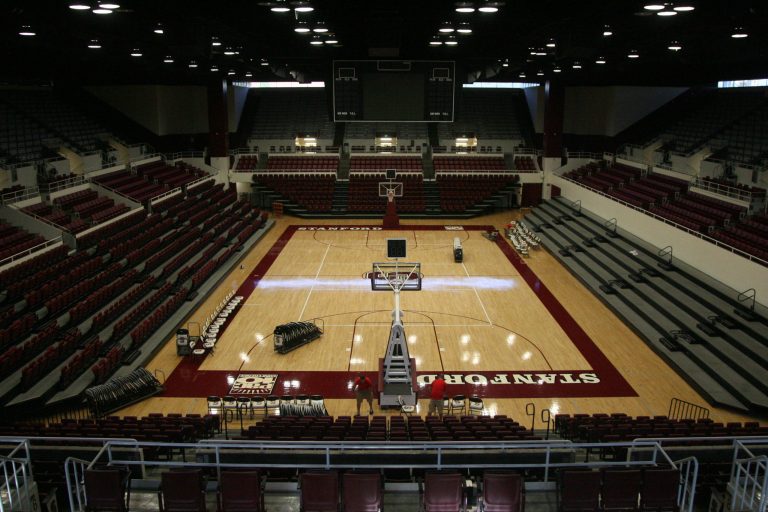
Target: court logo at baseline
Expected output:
[254,384]
[339,228]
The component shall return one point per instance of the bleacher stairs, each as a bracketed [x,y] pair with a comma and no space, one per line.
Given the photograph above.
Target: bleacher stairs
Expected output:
[340,197]
[688,320]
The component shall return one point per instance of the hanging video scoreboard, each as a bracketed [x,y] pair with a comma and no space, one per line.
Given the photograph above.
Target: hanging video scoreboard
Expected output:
[393,90]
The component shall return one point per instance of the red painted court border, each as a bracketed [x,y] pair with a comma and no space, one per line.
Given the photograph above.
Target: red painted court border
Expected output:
[187,380]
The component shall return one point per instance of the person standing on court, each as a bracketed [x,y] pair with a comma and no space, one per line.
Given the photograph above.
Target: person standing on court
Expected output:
[436,395]
[363,389]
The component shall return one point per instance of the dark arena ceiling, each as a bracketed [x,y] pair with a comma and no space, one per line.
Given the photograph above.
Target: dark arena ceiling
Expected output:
[500,46]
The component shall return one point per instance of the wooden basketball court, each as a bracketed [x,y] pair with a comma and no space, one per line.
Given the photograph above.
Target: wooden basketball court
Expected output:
[512,331]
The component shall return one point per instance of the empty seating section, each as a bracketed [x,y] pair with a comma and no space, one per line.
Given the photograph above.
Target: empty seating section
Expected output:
[486,114]
[44,107]
[14,240]
[525,163]
[409,136]
[459,193]
[383,428]
[312,191]
[149,180]
[468,163]
[381,163]
[746,140]
[303,163]
[726,184]
[247,163]
[284,114]
[364,193]
[671,199]
[125,280]
[22,139]
[77,211]
[718,111]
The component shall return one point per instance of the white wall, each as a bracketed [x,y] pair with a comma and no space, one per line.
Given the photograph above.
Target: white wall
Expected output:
[720,264]
[609,110]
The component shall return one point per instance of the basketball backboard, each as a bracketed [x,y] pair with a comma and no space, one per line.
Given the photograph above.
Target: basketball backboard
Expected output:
[385,187]
[389,276]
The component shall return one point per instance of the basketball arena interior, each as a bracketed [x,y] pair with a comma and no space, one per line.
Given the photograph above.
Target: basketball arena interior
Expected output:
[244,243]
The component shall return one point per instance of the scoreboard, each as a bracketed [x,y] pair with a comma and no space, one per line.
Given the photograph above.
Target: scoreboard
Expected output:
[393,90]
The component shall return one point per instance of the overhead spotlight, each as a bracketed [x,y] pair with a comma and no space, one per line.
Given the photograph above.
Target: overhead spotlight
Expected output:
[168,59]
[576,65]
[675,46]
[653,6]
[302,27]
[600,60]
[264,62]
[248,74]
[79,6]
[214,68]
[331,39]
[666,12]
[464,28]
[540,52]
[316,41]
[320,28]
[451,41]
[27,31]
[551,43]
[490,6]
[109,5]
[739,33]
[302,7]
[94,44]
[159,29]
[280,6]
[684,7]
[446,27]
[505,63]
[539,73]
[136,52]
[607,31]
[102,11]
[522,74]
[465,7]
[532,51]
[192,64]
[229,50]
[231,72]
[633,54]
[557,70]
[215,41]
[435,41]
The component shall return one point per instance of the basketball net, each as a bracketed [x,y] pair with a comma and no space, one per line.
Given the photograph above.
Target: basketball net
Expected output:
[391,195]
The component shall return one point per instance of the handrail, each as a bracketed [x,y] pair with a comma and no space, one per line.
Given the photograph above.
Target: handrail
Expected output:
[19,195]
[546,418]
[611,225]
[689,472]
[745,296]
[36,248]
[65,183]
[666,251]
[530,410]
[724,190]
[686,410]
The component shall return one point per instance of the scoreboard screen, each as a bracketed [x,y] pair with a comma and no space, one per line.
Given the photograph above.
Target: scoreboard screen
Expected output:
[393,90]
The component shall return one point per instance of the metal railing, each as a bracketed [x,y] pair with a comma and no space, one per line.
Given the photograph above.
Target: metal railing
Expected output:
[680,409]
[19,195]
[725,190]
[16,482]
[65,183]
[749,477]
[35,249]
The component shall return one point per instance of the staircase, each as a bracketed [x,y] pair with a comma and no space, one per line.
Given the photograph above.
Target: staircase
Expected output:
[431,198]
[340,198]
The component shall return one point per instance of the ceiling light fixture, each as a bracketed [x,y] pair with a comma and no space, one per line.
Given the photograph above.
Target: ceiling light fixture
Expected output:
[159,29]
[540,73]
[214,68]
[109,5]
[739,33]
[264,62]
[600,60]
[540,52]
[231,72]
[464,28]
[489,6]
[280,6]
[675,46]
[302,27]
[551,43]
[505,63]
[332,40]
[576,65]
[229,51]
[136,52]
[303,7]
[168,59]
[79,6]
[192,64]
[451,41]
[666,12]
[435,41]
[446,27]
[215,41]
[316,41]
[465,7]
[94,44]
[522,74]
[27,31]
[607,31]
[684,7]
[102,11]
[248,74]
[653,6]
[633,54]
[320,28]
[557,70]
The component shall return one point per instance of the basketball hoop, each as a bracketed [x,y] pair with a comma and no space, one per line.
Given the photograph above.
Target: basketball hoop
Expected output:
[390,195]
